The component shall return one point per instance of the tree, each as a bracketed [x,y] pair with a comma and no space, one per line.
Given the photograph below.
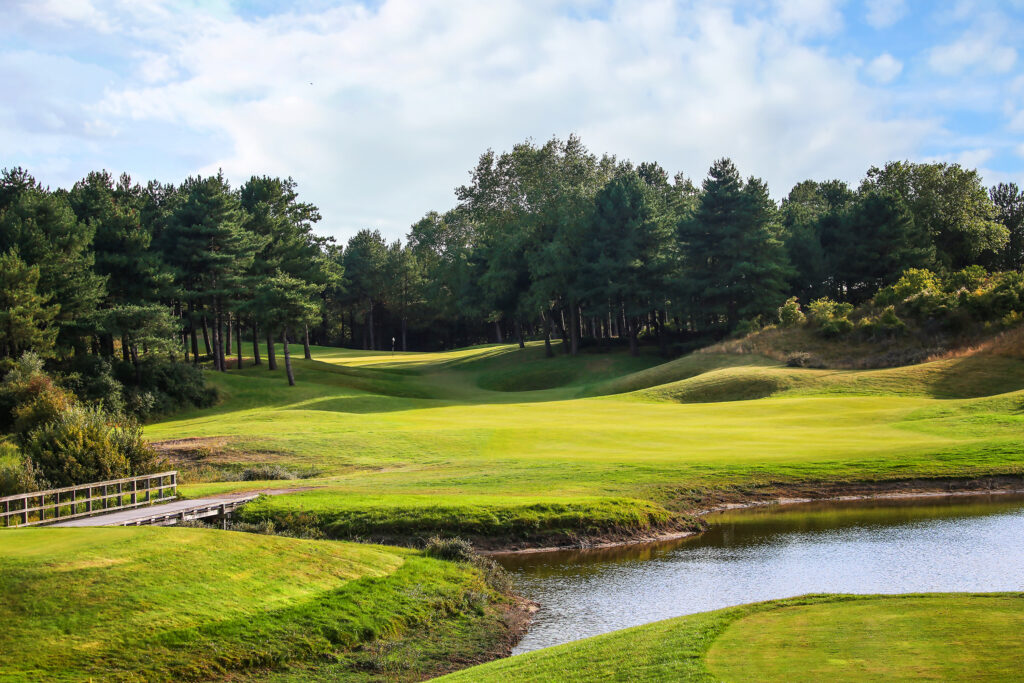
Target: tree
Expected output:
[1009,203]
[949,203]
[405,285]
[46,233]
[877,240]
[365,272]
[210,252]
[736,266]
[134,273]
[273,212]
[26,317]
[625,257]
[288,303]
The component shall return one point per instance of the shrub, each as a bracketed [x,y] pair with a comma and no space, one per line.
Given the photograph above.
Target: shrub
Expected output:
[837,327]
[913,281]
[17,475]
[824,309]
[750,326]
[92,380]
[452,549]
[800,359]
[970,278]
[41,401]
[790,314]
[267,473]
[81,445]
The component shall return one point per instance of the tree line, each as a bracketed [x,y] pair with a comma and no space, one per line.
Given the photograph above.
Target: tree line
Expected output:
[545,241]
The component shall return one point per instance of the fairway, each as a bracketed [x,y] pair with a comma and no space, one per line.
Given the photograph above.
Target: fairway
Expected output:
[958,636]
[403,445]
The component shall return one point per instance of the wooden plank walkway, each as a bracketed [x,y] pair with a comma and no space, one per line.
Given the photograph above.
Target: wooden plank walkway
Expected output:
[165,514]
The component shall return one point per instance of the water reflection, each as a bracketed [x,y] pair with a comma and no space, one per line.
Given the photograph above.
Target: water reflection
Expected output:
[958,543]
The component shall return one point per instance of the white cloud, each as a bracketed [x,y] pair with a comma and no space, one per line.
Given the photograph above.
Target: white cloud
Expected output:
[978,48]
[379,113]
[884,68]
[1020,150]
[810,17]
[884,13]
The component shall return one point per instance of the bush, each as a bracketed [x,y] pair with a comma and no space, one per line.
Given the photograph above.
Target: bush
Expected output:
[81,446]
[913,282]
[800,359]
[267,473]
[790,314]
[452,549]
[17,475]
[92,380]
[822,310]
[41,401]
[970,278]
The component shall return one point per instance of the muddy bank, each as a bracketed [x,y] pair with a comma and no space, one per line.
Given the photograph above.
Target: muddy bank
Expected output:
[699,504]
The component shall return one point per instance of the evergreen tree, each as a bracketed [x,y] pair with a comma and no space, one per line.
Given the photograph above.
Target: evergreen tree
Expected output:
[46,233]
[210,252]
[26,317]
[736,265]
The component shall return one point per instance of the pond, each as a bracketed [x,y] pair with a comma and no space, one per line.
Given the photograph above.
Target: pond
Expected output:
[955,543]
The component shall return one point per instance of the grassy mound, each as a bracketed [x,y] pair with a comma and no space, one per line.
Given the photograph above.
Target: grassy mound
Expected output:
[837,638]
[969,377]
[188,604]
[410,518]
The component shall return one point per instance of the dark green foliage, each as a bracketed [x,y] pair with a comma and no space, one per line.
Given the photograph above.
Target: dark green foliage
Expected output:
[736,267]
[1009,205]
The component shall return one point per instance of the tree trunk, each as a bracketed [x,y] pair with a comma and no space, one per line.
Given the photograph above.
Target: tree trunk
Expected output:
[663,332]
[195,344]
[305,346]
[238,340]
[369,324]
[218,344]
[227,334]
[631,324]
[519,333]
[255,343]
[271,352]
[547,335]
[135,361]
[497,332]
[206,336]
[574,331]
[405,347]
[124,348]
[287,358]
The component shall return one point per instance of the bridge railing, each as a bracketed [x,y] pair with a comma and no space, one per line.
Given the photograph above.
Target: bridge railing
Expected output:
[54,505]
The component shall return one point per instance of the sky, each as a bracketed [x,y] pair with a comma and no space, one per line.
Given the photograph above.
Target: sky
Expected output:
[379,109]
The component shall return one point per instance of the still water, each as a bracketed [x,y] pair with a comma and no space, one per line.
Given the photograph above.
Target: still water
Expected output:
[973,543]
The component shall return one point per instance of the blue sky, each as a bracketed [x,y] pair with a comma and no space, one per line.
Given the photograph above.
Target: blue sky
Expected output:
[380,109]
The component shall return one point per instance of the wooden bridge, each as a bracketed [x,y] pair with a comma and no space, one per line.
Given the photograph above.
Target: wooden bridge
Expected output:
[134,501]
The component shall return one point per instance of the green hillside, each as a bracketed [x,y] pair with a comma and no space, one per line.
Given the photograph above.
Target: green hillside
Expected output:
[404,445]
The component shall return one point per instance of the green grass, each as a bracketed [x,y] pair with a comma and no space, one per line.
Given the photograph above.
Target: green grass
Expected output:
[467,442]
[956,636]
[179,604]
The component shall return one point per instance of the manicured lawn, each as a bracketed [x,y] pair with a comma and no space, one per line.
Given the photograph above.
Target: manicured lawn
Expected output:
[464,441]
[159,604]
[949,637]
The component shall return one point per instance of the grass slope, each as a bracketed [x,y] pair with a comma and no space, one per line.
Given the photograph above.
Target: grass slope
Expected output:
[161,604]
[467,441]
[949,637]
